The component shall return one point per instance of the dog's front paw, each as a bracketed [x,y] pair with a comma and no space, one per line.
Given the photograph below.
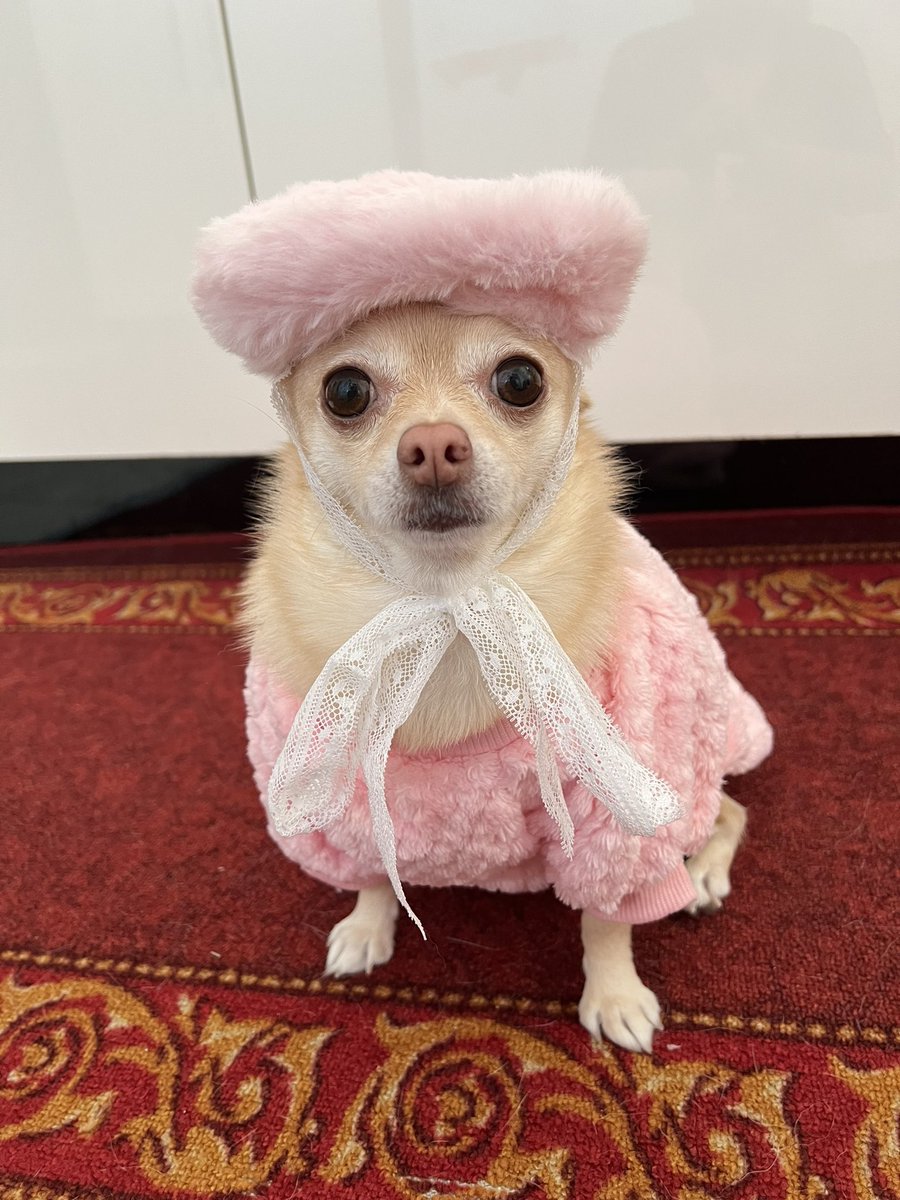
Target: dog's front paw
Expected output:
[710,875]
[359,943]
[627,1015]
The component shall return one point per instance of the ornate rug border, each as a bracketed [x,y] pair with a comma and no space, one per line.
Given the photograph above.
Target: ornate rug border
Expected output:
[726,556]
[821,1031]
[198,598]
[188,630]
[225,630]
[801,552]
[133,573]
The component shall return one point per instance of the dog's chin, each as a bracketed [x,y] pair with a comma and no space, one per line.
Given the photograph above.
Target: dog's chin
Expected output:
[441,514]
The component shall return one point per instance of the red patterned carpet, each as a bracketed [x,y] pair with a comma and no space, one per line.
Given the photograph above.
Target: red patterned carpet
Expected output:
[163,1027]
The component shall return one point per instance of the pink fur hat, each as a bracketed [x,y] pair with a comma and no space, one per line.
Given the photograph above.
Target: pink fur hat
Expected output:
[555,254]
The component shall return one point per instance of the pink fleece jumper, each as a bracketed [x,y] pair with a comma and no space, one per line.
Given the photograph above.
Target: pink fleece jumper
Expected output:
[471,814]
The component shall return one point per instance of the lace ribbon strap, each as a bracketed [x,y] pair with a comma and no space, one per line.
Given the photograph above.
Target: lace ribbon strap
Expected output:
[537,686]
[535,512]
[364,549]
[347,722]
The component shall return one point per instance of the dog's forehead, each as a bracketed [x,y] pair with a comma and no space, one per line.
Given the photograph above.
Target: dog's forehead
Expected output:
[427,338]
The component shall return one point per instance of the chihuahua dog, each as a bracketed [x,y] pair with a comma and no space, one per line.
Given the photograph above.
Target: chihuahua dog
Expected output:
[434,428]
[466,668]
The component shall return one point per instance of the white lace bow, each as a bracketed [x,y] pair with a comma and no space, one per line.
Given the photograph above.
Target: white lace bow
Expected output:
[370,686]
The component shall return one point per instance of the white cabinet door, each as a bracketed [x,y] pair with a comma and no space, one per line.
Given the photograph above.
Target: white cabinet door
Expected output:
[761,136]
[119,139]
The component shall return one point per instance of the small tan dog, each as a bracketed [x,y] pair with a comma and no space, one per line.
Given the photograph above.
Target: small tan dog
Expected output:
[466,668]
[410,418]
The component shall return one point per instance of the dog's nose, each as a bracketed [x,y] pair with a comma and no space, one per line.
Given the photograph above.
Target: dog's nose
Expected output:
[434,455]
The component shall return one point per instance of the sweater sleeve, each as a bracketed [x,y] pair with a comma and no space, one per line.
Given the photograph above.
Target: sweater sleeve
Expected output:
[667,687]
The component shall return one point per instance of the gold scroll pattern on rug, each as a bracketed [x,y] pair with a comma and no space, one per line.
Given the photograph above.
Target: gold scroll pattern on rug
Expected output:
[718,601]
[798,597]
[171,603]
[813,595]
[197,1099]
[74,1054]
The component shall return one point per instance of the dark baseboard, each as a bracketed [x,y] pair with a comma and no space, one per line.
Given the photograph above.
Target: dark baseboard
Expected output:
[53,501]
[775,473]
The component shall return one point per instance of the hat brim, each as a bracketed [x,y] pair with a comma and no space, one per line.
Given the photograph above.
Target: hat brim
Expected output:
[555,254]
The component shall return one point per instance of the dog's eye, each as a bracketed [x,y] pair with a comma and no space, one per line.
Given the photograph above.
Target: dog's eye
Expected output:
[348,392]
[518,382]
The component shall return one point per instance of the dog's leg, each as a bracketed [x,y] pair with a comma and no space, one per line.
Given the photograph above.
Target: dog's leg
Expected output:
[614,1003]
[365,938]
[710,867]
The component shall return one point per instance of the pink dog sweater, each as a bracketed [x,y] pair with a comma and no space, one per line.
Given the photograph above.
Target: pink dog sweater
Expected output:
[471,814]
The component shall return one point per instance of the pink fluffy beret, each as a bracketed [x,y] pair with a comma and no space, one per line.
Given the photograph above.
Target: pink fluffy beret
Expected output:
[555,254]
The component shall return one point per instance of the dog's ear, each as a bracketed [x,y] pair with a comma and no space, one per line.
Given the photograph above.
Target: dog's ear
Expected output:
[554,254]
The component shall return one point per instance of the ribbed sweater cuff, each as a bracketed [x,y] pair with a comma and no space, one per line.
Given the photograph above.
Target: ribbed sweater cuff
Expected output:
[655,901]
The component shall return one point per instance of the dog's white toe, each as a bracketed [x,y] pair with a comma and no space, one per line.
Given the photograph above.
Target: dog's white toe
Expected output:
[627,1017]
[359,944]
[710,876]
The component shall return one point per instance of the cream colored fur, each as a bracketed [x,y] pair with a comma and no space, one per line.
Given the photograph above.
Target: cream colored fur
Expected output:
[305,595]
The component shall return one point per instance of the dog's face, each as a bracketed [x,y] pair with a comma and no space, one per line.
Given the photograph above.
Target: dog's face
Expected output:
[433,428]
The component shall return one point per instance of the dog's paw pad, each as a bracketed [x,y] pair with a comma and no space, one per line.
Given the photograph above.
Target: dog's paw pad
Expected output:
[359,944]
[627,1017]
[711,882]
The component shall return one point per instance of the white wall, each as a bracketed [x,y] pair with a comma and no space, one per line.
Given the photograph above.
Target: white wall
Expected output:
[761,136]
[119,140]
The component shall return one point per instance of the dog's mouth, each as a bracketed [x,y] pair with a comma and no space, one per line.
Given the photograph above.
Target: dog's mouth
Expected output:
[440,510]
